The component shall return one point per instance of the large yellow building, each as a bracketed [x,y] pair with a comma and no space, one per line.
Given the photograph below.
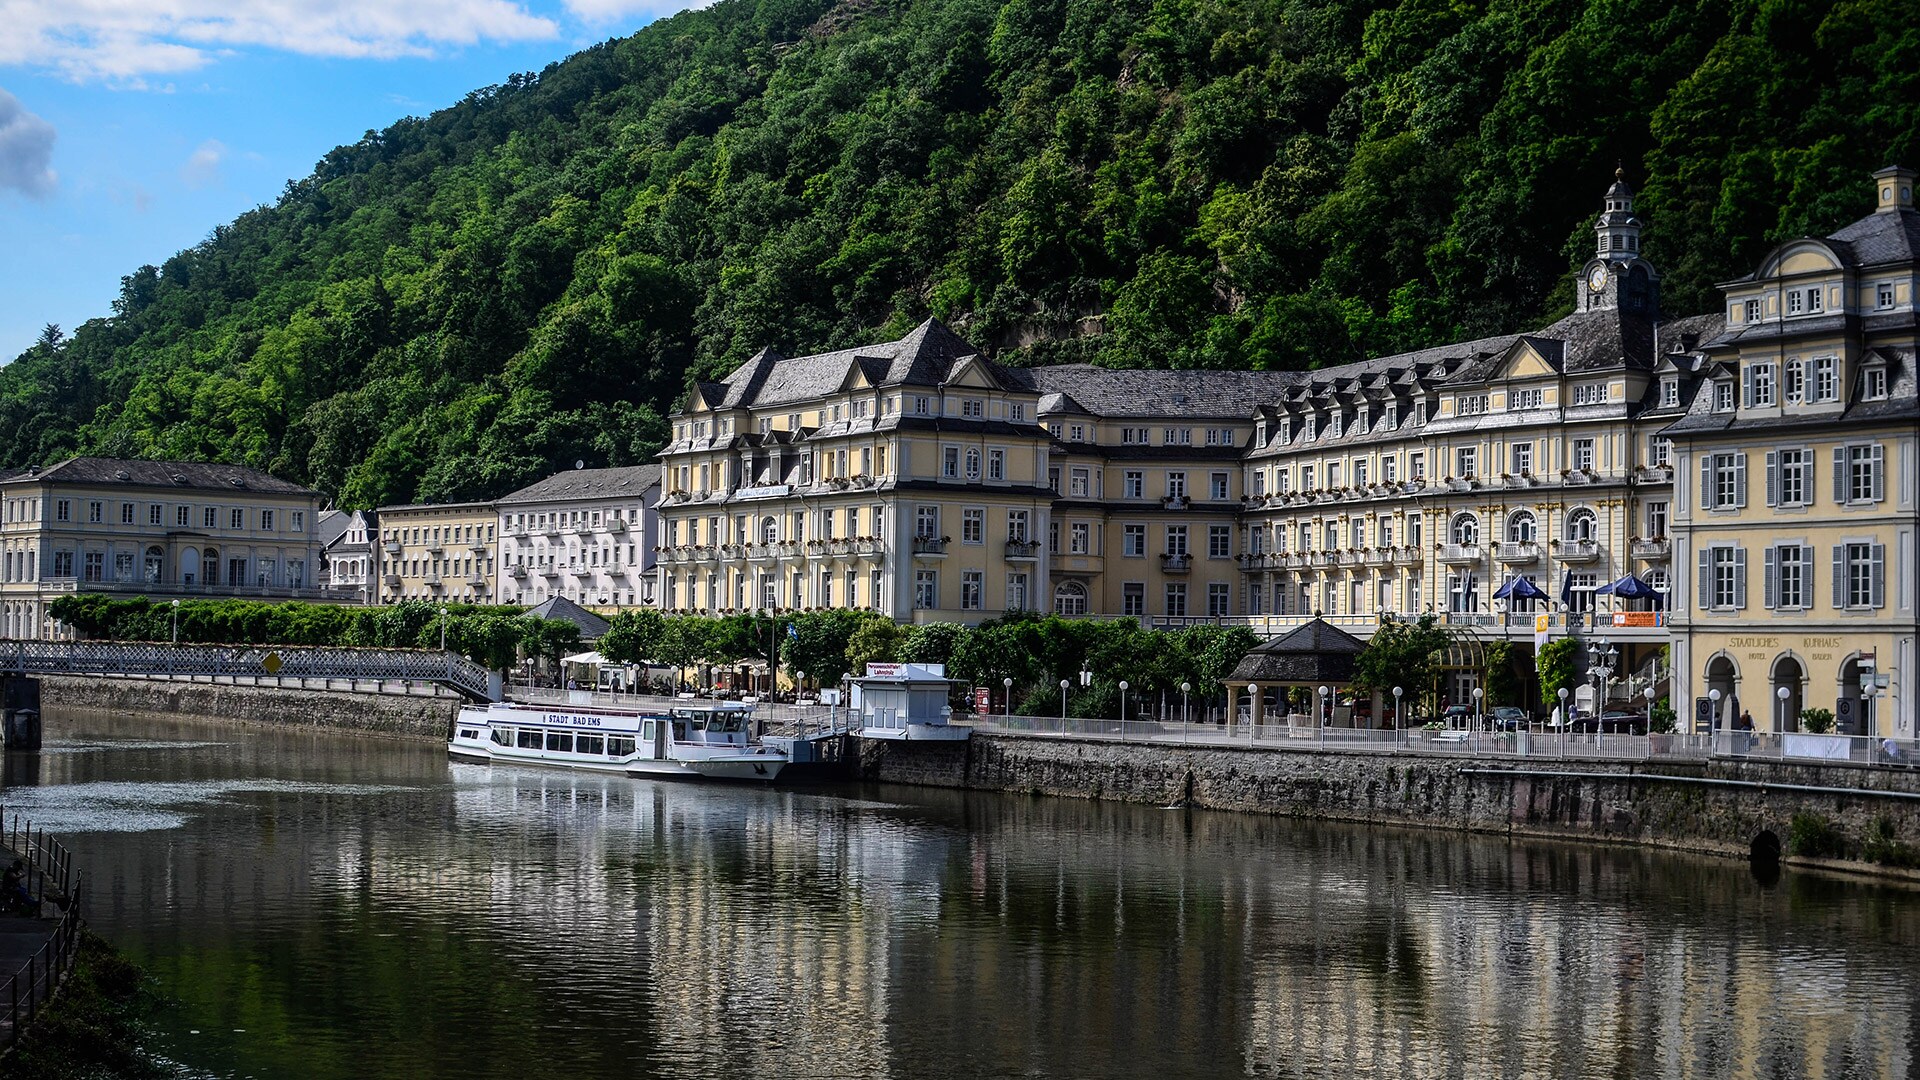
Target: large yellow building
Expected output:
[1794,512]
[439,551]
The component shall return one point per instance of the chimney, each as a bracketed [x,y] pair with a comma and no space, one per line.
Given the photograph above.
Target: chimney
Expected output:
[1893,189]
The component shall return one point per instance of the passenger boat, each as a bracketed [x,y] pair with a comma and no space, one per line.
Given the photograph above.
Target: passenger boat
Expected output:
[708,741]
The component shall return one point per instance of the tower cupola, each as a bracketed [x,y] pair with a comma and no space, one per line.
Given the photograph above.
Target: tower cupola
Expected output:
[1618,229]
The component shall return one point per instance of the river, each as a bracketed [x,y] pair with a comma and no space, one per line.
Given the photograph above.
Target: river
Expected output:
[314,905]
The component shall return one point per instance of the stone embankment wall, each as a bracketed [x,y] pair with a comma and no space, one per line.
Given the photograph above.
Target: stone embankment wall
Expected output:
[390,715]
[1847,814]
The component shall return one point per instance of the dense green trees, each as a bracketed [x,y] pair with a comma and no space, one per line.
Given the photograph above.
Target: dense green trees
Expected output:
[461,303]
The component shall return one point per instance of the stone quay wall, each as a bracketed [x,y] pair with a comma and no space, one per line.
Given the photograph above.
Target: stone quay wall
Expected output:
[1867,818]
[385,715]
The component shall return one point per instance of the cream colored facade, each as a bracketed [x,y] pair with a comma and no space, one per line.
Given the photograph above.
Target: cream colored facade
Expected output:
[150,528]
[445,552]
[1795,515]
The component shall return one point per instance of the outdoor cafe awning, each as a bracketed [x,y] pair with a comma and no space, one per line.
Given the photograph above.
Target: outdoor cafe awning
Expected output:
[1632,588]
[1519,588]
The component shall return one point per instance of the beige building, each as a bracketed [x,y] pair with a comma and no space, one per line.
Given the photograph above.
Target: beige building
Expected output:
[150,528]
[442,551]
[1794,515]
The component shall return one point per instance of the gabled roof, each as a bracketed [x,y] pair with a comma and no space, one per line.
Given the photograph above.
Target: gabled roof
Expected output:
[1317,651]
[330,526]
[592,627]
[160,474]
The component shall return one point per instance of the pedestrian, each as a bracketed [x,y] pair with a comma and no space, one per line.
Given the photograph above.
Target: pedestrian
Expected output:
[1891,749]
[13,887]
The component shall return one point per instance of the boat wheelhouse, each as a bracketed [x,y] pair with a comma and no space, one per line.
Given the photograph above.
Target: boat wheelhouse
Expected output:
[685,739]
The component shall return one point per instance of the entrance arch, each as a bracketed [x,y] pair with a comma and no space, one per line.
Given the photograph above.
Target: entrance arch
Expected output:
[1788,675]
[1070,598]
[1852,711]
[1723,675]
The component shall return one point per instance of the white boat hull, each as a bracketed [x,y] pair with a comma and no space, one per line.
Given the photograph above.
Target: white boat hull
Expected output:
[474,730]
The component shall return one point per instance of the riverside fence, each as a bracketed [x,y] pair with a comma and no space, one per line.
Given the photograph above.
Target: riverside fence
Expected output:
[45,968]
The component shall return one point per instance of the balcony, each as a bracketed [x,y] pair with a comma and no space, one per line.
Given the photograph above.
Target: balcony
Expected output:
[517,572]
[1658,549]
[550,571]
[1295,561]
[1320,560]
[616,525]
[929,547]
[1255,562]
[479,548]
[1348,558]
[431,581]
[477,580]
[1406,556]
[1460,554]
[551,528]
[393,547]
[1176,564]
[434,548]
[391,581]
[1378,556]
[1577,551]
[1175,502]
[1653,474]
[1022,550]
[1517,553]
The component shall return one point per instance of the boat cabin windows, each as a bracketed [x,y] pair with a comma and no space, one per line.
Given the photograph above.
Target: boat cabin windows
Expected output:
[503,736]
[619,745]
[527,739]
[560,740]
[589,744]
[469,733]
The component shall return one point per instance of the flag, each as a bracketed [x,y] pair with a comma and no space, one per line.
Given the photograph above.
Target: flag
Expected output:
[792,634]
[1566,590]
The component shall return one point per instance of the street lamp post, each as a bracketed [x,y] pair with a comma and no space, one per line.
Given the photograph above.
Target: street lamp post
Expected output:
[1399,720]
[1063,704]
[1780,716]
[1253,711]
[1713,712]
[1185,688]
[1320,720]
[1564,721]
[1007,684]
[1123,704]
[443,629]
[1478,716]
[176,622]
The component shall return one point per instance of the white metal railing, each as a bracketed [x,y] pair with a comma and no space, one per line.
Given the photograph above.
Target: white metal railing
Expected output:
[186,661]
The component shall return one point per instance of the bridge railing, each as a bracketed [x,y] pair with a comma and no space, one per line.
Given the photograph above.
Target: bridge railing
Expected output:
[166,660]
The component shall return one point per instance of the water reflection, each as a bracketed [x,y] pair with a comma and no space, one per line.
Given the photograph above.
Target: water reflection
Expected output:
[324,907]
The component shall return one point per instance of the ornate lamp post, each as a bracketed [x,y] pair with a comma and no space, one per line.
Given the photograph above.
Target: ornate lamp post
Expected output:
[1713,710]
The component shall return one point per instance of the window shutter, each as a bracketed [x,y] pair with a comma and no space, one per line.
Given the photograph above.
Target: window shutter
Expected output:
[1840,475]
[1706,482]
[1839,575]
[1879,473]
[1705,588]
[1746,386]
[1740,479]
[1805,555]
[1879,575]
[1739,577]
[1773,481]
[1769,578]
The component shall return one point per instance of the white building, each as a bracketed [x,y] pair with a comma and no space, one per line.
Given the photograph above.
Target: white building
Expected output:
[346,544]
[586,534]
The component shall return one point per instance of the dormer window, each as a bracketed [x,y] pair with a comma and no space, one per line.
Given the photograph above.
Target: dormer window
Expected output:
[1796,302]
[1260,433]
[1753,311]
[1815,298]
[1875,386]
[1393,417]
[1723,395]
[1307,432]
[1883,295]
[972,408]
[1669,392]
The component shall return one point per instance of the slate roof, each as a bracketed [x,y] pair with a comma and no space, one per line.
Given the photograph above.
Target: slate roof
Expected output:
[592,626]
[331,525]
[1885,237]
[573,485]
[160,474]
[1142,392]
[1317,651]
[924,357]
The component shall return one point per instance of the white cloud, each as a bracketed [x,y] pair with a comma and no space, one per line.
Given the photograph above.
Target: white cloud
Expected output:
[203,165]
[124,41]
[26,150]
[599,12]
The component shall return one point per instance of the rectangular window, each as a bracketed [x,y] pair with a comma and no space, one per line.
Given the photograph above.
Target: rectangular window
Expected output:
[1656,520]
[95,564]
[1133,541]
[973,525]
[1759,386]
[1219,542]
[1470,404]
[1176,539]
[1463,592]
[1076,433]
[996,464]
[1787,576]
[1883,295]
[1176,485]
[1796,302]
[1017,525]
[1525,399]
[1053,480]
[926,589]
[94,512]
[926,522]
[1723,573]
[950,462]
[1669,393]
[1389,470]
[126,513]
[1590,393]
[1417,465]
[1359,472]
[1816,302]
[1826,381]
[1753,311]
[1176,599]
[1079,482]
[1218,597]
[1862,480]
[1133,485]
[1788,474]
[1876,384]
[1723,395]
[1217,487]
[63,510]
[153,513]
[180,515]
[1079,538]
[972,586]
[1859,571]
[1467,458]
[238,520]
[1017,592]
[1723,481]
[1583,454]
[1133,599]
[1659,450]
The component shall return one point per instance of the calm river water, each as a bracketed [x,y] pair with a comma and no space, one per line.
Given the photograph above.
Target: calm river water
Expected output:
[317,906]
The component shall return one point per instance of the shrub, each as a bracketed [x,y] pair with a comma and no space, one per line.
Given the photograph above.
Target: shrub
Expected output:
[1816,721]
[1813,836]
[1880,845]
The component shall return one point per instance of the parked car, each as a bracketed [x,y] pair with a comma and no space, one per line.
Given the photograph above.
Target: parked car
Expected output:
[1457,716]
[1509,718]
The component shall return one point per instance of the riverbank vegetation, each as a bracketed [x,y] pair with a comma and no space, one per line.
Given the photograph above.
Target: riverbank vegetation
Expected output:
[1035,651]
[459,304]
[95,1028]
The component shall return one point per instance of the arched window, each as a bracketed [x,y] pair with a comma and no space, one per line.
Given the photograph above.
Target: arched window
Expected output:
[210,567]
[189,565]
[1465,529]
[769,530]
[1582,526]
[1070,598]
[1520,527]
[156,560]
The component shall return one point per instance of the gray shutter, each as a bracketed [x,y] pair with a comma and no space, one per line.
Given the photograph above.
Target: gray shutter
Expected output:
[1840,475]
[1770,577]
[1740,479]
[1706,482]
[1746,386]
[1806,575]
[1839,575]
[1704,588]
[1739,577]
[1773,480]
[1879,473]
[1879,575]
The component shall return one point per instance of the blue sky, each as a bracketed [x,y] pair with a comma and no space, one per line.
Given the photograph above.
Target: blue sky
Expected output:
[129,128]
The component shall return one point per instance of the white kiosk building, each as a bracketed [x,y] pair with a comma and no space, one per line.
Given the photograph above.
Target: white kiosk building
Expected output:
[906,702]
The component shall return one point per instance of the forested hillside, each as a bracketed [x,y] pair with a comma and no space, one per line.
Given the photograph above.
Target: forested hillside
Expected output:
[457,304]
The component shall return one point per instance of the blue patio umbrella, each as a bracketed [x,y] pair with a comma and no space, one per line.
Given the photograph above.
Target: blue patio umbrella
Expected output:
[1632,588]
[1519,588]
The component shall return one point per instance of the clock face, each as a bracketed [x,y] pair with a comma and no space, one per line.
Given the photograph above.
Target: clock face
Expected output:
[1597,278]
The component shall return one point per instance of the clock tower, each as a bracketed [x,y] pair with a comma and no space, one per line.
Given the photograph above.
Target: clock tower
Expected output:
[1617,278]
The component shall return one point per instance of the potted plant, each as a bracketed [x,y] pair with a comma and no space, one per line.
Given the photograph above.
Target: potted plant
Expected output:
[1660,726]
